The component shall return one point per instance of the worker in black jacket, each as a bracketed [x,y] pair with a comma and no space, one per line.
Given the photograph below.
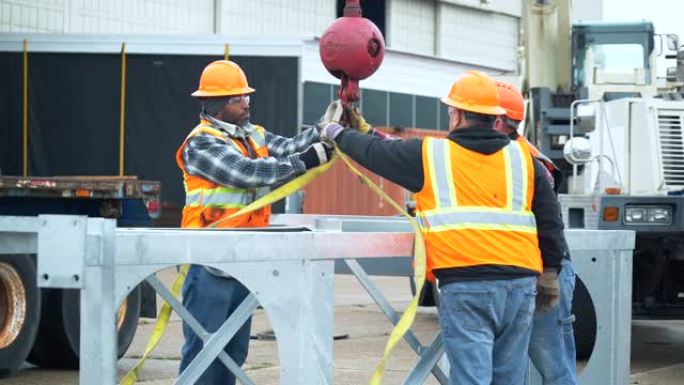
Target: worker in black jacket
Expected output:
[552,343]
[487,236]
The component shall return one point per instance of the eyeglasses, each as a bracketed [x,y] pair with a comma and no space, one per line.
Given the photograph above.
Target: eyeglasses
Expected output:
[238,99]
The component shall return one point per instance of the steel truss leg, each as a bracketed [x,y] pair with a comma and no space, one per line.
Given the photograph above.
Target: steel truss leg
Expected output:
[197,328]
[428,356]
[98,346]
[218,341]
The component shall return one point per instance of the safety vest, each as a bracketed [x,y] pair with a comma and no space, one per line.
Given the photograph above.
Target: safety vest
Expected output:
[207,202]
[545,160]
[476,209]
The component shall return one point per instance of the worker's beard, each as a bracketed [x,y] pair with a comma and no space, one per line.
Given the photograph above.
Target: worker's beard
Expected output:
[244,122]
[238,121]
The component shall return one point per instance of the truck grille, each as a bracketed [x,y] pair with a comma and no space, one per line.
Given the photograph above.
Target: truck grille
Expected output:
[670,126]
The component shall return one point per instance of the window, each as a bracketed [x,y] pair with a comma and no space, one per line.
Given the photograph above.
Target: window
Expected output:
[618,58]
[373,10]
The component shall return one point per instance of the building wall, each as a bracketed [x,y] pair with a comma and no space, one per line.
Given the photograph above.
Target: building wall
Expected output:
[276,17]
[587,10]
[234,17]
[104,16]
[478,35]
[411,26]
[452,29]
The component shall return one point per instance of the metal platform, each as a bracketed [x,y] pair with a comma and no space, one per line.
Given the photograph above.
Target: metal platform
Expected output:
[290,274]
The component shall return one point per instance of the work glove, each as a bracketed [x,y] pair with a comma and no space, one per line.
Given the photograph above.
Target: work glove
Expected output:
[316,155]
[333,114]
[353,117]
[330,131]
[548,290]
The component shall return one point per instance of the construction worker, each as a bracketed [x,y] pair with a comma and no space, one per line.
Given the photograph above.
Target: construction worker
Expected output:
[512,101]
[227,163]
[490,222]
[552,345]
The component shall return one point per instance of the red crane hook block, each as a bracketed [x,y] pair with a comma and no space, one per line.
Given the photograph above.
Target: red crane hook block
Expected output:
[352,49]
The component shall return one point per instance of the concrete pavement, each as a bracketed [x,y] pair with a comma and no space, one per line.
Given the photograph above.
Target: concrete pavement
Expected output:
[657,346]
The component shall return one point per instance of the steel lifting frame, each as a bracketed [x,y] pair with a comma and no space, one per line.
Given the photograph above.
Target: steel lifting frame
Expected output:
[107,262]
[602,260]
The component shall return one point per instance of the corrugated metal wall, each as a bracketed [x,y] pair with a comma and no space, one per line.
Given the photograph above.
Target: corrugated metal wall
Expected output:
[276,17]
[482,33]
[340,192]
[236,17]
[478,36]
[105,16]
[411,26]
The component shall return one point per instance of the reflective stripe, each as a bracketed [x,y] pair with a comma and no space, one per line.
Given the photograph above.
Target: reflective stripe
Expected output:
[441,172]
[473,217]
[507,170]
[217,200]
[258,137]
[447,215]
[207,129]
[484,226]
[222,189]
[518,177]
[262,192]
[225,197]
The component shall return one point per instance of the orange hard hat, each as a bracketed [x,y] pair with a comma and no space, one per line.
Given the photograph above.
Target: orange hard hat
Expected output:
[474,91]
[511,100]
[222,78]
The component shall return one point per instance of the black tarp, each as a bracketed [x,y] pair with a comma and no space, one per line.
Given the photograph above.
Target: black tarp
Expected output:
[160,111]
[74,114]
[11,75]
[74,111]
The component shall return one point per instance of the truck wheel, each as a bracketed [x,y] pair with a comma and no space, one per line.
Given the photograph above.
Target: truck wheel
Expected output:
[58,339]
[585,321]
[126,320]
[19,311]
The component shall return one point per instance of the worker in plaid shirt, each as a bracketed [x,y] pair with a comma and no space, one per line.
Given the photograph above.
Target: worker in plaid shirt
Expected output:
[228,163]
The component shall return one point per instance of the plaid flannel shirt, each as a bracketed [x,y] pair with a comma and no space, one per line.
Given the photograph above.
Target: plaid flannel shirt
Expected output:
[213,159]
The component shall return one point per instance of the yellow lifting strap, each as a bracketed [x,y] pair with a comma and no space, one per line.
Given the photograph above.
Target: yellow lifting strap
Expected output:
[24,114]
[296,184]
[122,111]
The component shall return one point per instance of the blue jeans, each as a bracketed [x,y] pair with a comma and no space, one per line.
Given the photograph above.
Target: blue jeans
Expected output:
[552,345]
[486,329]
[211,300]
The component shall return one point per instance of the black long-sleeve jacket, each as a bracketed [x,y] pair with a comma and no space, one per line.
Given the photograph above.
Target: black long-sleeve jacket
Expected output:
[401,161]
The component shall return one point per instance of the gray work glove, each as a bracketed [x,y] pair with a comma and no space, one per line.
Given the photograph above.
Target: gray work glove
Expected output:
[548,290]
[333,114]
[330,132]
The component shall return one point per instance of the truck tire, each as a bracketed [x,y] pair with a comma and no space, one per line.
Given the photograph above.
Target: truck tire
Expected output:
[584,327]
[126,320]
[19,311]
[58,340]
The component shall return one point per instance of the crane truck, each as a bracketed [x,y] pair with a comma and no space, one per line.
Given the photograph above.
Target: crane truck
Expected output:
[597,108]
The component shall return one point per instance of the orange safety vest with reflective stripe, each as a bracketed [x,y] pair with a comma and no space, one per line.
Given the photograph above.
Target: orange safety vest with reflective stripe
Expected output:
[476,209]
[537,154]
[551,167]
[207,202]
